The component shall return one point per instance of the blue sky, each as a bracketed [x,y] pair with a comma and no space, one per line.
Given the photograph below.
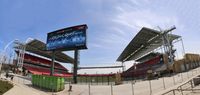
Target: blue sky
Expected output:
[112,23]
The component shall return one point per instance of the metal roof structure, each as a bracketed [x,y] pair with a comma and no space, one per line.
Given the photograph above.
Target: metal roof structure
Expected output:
[144,42]
[38,47]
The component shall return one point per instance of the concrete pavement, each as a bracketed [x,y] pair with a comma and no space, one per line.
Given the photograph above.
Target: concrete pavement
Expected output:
[24,87]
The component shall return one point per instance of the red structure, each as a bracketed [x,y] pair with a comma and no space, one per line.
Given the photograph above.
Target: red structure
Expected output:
[38,65]
[140,70]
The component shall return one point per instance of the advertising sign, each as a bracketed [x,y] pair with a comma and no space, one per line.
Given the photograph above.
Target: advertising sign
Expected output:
[68,38]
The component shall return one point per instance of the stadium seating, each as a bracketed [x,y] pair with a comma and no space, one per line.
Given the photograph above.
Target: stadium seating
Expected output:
[38,65]
[142,68]
[38,60]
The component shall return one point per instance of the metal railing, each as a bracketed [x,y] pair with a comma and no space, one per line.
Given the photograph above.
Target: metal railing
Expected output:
[188,86]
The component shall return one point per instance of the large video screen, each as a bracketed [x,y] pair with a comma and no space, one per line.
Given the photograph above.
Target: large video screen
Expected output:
[68,38]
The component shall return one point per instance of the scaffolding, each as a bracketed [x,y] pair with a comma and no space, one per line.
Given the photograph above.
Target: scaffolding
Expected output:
[20,58]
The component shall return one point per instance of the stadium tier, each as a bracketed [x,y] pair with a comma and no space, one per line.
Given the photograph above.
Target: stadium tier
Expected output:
[140,69]
[38,65]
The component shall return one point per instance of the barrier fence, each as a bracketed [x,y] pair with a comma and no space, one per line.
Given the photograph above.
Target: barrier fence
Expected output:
[93,80]
[141,87]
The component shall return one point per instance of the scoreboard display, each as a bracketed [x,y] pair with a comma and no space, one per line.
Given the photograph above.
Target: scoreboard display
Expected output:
[68,38]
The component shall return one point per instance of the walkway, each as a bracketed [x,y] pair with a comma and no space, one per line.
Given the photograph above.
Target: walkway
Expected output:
[24,87]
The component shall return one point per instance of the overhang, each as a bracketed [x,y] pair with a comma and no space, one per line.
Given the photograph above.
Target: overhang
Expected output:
[38,47]
[144,42]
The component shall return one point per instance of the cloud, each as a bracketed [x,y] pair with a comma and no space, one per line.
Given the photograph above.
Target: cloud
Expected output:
[111,38]
[136,19]
[127,19]
[132,17]
[95,45]
[119,31]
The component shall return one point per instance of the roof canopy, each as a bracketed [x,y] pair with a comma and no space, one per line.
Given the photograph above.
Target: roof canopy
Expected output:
[37,47]
[144,42]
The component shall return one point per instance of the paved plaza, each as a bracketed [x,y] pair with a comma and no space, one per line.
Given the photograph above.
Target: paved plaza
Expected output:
[22,86]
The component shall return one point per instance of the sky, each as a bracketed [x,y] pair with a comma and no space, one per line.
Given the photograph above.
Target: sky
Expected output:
[111,23]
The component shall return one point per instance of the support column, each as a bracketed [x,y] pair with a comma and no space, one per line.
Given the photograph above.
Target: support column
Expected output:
[52,63]
[183,51]
[76,62]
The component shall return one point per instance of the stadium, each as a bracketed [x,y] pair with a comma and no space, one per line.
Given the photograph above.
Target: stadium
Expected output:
[99,47]
[151,52]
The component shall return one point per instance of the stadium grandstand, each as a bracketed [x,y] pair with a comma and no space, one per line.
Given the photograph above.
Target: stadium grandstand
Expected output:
[152,61]
[38,65]
[143,50]
[36,60]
